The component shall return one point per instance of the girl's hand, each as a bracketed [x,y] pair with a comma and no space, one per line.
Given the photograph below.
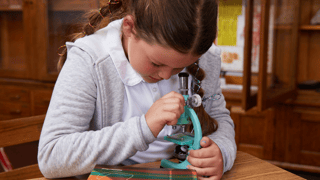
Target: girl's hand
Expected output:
[166,110]
[207,161]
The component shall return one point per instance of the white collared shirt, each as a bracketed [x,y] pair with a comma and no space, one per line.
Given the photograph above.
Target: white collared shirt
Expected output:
[139,97]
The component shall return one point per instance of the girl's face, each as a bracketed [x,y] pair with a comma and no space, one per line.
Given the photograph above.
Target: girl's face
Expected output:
[154,62]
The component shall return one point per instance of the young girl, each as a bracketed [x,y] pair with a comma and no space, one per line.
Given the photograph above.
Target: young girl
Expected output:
[117,93]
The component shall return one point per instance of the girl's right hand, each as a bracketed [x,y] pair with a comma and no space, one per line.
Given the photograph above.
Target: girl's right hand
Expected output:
[166,110]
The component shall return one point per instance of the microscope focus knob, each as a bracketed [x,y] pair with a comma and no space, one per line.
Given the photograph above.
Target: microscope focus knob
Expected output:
[180,152]
[195,100]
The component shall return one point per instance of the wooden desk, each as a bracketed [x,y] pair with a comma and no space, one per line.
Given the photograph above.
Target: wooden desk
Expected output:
[245,166]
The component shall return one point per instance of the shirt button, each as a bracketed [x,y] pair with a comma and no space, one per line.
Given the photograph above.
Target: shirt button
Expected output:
[154,89]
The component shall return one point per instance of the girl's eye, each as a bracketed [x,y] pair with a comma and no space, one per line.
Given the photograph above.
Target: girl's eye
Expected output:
[156,65]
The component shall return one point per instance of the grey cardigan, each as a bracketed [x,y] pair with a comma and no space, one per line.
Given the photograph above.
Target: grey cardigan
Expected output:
[83,126]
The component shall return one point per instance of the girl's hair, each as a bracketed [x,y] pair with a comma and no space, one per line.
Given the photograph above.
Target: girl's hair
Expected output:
[188,26]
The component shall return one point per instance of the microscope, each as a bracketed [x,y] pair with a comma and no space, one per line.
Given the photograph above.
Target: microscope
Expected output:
[185,140]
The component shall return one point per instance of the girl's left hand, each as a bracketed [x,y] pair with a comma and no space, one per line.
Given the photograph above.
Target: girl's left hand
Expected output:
[207,161]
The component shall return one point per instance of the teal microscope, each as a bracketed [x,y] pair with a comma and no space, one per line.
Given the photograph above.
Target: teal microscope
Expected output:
[185,140]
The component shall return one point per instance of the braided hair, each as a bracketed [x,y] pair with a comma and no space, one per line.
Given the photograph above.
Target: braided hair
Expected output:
[208,124]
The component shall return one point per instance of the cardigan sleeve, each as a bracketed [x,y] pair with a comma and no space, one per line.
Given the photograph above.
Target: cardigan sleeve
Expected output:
[215,106]
[67,146]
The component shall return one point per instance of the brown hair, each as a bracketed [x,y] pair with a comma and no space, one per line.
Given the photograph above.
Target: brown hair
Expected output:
[184,25]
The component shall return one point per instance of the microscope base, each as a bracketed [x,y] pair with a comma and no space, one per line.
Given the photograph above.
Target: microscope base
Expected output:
[169,164]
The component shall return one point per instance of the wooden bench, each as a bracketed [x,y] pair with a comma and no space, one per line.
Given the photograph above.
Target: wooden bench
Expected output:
[20,131]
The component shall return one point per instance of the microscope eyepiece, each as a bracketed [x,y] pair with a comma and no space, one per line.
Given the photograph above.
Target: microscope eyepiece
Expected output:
[183,74]
[183,81]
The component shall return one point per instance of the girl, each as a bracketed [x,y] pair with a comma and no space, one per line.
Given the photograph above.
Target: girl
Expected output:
[117,90]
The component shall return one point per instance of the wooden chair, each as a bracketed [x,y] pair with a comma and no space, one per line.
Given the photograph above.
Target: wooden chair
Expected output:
[20,131]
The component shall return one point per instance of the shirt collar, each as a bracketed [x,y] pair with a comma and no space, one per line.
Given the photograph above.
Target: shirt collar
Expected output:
[113,42]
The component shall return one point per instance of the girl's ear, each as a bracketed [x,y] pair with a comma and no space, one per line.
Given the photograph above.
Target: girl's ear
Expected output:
[128,26]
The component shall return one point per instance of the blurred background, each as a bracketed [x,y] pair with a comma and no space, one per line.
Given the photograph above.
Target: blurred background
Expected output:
[270,76]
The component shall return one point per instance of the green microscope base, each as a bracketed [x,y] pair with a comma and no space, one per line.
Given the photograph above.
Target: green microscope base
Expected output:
[169,164]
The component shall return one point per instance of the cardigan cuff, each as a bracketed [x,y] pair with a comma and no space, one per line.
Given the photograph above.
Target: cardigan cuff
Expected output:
[146,132]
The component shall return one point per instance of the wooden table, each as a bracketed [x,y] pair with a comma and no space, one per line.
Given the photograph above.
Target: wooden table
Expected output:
[245,166]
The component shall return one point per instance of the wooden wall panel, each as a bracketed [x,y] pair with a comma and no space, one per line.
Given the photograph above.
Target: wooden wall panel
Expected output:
[12,41]
[254,131]
[309,44]
[308,9]
[314,55]
[281,123]
[310,136]
[255,150]
[312,158]
[303,63]
[305,15]
[314,7]
[293,137]
[251,130]
[304,137]
[283,56]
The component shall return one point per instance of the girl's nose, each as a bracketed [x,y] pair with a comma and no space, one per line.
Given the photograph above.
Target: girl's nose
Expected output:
[165,73]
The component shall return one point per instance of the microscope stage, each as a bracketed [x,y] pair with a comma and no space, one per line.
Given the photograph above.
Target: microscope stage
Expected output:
[180,138]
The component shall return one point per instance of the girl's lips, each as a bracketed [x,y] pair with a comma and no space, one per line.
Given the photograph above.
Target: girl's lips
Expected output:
[154,78]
